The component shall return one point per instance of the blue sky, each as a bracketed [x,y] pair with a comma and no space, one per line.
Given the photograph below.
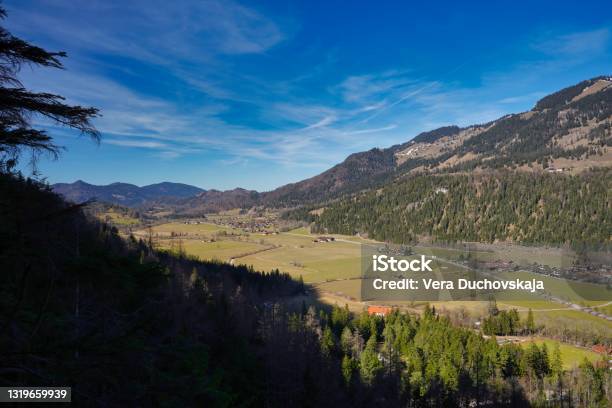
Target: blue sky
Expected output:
[222,94]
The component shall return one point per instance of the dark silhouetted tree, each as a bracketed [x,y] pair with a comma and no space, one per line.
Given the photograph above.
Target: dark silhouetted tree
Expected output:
[19,106]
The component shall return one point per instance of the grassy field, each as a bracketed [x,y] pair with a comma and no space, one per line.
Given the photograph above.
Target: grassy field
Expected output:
[605,309]
[301,231]
[190,229]
[219,250]
[520,255]
[205,240]
[116,218]
[571,355]
[578,292]
[523,305]
[315,262]
[334,269]
[347,288]
[573,320]
[295,251]
[349,292]
[352,289]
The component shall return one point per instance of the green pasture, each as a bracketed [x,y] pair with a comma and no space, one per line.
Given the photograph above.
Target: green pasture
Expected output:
[570,355]
[218,250]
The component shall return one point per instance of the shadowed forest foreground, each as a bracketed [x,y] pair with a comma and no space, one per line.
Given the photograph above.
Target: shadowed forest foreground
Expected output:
[124,324]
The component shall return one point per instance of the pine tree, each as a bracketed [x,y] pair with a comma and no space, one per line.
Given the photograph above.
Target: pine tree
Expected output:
[20,106]
[556,363]
[530,323]
[370,365]
[328,342]
[346,340]
[349,366]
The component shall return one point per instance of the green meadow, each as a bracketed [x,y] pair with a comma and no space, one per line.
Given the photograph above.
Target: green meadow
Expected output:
[300,256]
[334,269]
[190,229]
[119,219]
[571,320]
[218,250]
[571,355]
[578,292]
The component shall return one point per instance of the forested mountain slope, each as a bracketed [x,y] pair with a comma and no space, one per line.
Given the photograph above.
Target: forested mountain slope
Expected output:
[210,201]
[80,307]
[359,170]
[503,206]
[540,177]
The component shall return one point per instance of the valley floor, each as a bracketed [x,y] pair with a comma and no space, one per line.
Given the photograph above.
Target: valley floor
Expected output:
[333,268]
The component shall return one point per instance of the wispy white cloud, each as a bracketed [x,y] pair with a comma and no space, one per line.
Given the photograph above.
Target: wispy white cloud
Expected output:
[362,88]
[168,155]
[190,30]
[196,93]
[326,121]
[578,44]
[373,130]
[531,96]
[317,135]
[136,143]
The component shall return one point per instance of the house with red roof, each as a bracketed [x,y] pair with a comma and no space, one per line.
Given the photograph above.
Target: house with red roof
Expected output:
[381,311]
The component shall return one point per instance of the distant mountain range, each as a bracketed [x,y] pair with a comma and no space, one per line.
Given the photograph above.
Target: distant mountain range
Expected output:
[566,132]
[125,194]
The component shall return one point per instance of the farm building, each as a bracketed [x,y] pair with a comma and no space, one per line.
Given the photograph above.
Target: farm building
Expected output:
[381,311]
[602,349]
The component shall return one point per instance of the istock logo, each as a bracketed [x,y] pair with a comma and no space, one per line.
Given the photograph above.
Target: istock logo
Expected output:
[384,263]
